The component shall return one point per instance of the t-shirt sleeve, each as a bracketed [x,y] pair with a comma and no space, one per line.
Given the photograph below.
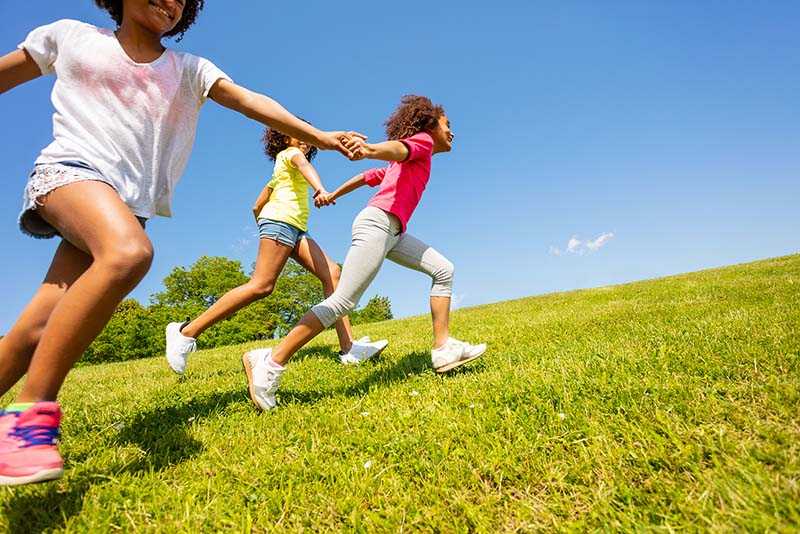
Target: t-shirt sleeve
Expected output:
[289,153]
[44,43]
[204,75]
[374,177]
[419,145]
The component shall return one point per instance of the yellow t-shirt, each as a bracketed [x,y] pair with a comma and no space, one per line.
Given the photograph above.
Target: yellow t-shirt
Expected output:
[289,199]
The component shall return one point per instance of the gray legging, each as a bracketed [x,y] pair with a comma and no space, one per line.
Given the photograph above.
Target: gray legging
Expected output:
[376,235]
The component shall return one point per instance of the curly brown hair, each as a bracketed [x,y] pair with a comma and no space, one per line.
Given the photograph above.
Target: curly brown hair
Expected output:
[414,114]
[276,142]
[191,9]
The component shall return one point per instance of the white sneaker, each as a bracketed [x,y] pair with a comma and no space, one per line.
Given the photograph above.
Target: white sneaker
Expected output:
[178,347]
[263,377]
[362,351]
[455,353]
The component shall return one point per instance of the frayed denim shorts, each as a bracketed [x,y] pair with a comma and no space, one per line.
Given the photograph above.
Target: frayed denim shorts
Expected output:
[280,231]
[46,178]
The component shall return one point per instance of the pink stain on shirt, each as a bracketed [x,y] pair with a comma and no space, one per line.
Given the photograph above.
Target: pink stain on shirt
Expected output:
[403,182]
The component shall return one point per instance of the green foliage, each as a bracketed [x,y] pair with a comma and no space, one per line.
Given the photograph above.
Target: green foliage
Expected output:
[127,336]
[137,332]
[377,309]
[662,406]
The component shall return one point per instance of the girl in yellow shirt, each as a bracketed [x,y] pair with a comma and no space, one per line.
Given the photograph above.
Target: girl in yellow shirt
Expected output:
[281,210]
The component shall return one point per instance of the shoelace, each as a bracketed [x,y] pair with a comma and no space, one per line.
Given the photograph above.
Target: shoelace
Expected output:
[36,435]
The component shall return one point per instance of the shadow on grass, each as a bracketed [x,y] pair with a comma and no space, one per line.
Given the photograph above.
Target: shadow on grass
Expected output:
[162,433]
[411,364]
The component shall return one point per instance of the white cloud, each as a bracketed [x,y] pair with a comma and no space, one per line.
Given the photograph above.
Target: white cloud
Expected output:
[580,247]
[574,245]
[457,299]
[601,240]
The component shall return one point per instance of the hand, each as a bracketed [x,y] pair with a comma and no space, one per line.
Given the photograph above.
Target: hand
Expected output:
[344,142]
[323,198]
[358,147]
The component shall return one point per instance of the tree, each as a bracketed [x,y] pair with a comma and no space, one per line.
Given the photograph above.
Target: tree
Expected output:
[377,309]
[135,331]
[128,335]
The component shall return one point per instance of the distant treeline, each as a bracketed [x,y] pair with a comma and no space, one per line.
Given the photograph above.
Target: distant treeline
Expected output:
[137,331]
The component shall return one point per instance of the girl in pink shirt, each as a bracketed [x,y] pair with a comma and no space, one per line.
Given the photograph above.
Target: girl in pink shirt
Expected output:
[417,130]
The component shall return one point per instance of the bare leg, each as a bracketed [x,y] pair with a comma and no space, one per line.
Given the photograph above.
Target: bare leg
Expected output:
[91,216]
[440,312]
[307,329]
[272,257]
[17,347]
[309,254]
[415,254]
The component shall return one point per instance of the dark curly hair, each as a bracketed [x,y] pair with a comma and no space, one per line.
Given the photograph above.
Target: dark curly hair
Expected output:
[414,114]
[276,142]
[191,9]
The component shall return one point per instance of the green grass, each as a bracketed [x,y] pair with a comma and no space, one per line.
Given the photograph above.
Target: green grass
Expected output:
[670,404]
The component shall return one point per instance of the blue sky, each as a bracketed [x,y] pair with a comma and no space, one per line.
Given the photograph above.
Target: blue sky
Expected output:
[673,125]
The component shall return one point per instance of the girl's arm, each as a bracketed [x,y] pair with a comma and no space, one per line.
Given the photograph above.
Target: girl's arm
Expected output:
[309,173]
[17,68]
[350,185]
[261,201]
[267,111]
[386,151]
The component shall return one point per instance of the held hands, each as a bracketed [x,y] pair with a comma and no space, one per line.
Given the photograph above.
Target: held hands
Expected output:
[350,144]
[323,198]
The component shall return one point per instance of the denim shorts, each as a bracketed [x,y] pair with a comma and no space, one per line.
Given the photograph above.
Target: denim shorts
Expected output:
[44,179]
[280,231]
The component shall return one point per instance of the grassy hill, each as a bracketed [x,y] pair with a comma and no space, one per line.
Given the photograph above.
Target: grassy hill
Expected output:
[671,403]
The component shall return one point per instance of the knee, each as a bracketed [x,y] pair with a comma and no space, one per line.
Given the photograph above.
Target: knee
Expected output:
[260,289]
[129,262]
[444,272]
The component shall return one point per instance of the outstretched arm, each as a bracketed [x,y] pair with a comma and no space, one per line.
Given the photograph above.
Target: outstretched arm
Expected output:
[309,173]
[267,111]
[386,151]
[350,185]
[17,68]
[261,201]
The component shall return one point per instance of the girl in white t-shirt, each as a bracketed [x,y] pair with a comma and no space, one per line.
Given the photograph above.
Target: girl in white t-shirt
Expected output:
[125,116]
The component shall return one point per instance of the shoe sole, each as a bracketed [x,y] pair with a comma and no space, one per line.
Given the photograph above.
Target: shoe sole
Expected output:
[248,370]
[40,476]
[368,359]
[459,363]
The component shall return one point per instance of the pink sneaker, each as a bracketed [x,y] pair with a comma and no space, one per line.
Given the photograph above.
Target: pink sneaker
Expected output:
[28,451]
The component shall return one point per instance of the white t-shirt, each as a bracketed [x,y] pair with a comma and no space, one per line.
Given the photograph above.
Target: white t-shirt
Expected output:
[133,122]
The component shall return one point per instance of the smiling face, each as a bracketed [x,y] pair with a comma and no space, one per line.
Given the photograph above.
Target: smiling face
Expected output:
[442,136]
[158,16]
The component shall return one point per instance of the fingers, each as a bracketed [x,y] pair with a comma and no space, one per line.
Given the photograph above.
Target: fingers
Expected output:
[348,143]
[324,200]
[357,134]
